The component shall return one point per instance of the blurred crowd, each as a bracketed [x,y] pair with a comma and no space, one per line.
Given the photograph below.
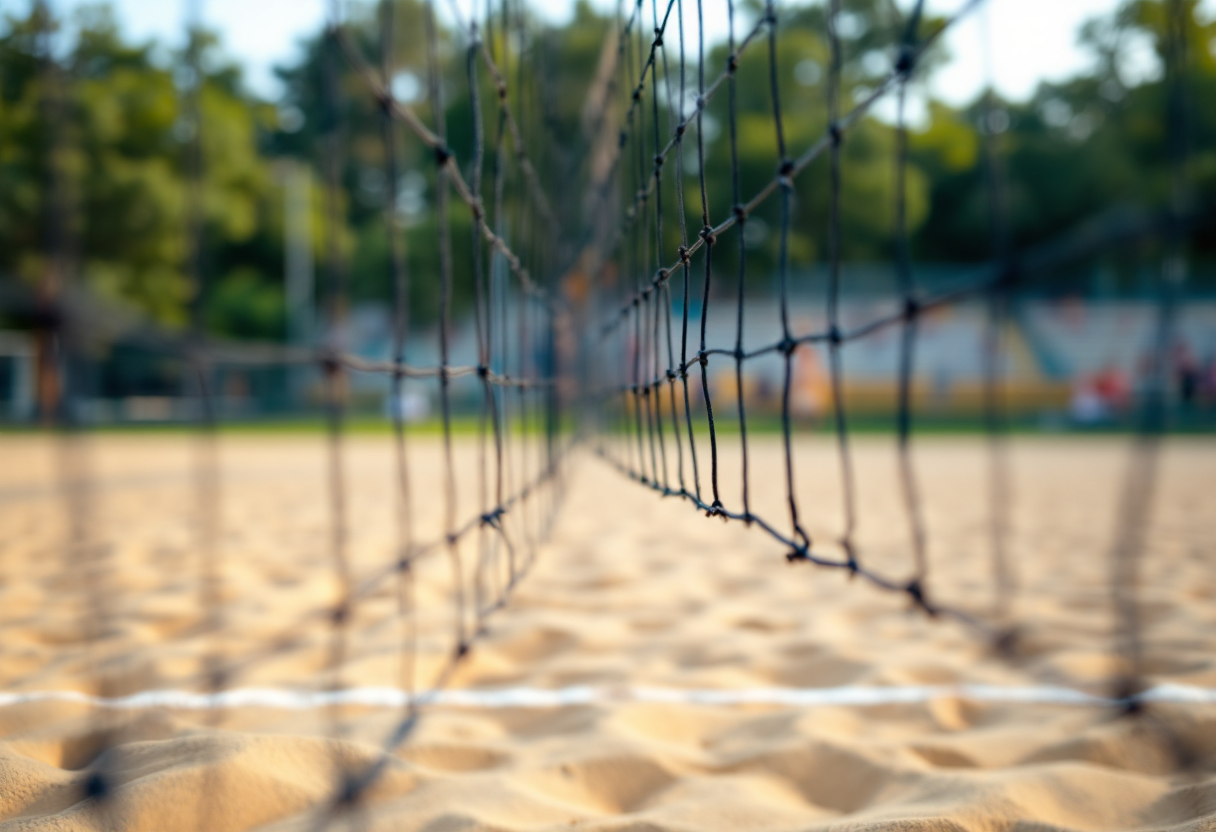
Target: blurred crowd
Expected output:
[1110,393]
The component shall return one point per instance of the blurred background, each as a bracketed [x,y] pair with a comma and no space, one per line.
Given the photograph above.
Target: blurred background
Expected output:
[98,132]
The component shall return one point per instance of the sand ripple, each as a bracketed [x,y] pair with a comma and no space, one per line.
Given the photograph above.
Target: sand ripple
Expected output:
[633,593]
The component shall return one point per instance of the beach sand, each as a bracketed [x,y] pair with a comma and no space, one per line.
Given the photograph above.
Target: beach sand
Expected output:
[632,593]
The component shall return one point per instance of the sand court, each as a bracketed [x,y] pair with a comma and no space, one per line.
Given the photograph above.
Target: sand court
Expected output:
[656,669]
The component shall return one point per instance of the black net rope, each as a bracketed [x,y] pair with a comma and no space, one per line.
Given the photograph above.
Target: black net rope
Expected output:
[535,406]
[628,404]
[638,372]
[517,314]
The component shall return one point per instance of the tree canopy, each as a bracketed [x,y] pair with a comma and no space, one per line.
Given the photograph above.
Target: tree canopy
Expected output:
[102,140]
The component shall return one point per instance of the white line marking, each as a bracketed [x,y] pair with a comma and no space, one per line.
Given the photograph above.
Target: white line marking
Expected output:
[385,697]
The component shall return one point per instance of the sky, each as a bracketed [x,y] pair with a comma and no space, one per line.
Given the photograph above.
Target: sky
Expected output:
[1029,40]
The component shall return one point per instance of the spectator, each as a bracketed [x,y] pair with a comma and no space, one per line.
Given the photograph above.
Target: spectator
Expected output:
[1207,382]
[1113,388]
[1187,374]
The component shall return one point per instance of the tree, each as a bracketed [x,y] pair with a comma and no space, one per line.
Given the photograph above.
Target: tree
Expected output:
[1078,147]
[122,135]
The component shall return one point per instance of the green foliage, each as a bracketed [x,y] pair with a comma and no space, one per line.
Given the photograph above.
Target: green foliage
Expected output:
[112,144]
[113,123]
[1078,147]
[244,305]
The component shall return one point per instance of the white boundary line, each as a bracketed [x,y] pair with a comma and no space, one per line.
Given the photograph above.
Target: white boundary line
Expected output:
[523,697]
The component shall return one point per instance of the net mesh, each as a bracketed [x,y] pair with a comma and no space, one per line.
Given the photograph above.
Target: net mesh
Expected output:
[637,381]
[651,395]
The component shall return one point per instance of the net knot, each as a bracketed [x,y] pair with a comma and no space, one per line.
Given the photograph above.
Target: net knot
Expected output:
[658,38]
[637,93]
[906,60]
[350,791]
[483,371]
[97,786]
[787,345]
[502,91]
[340,614]
[740,212]
[850,562]
[702,359]
[462,650]
[1127,693]
[732,63]
[835,338]
[661,276]
[659,158]
[917,593]
[739,354]
[385,99]
[707,234]
[911,308]
[478,213]
[403,563]
[716,510]
[671,374]
[836,133]
[684,256]
[1005,642]
[785,175]
[680,128]
[492,518]
[624,137]
[442,154]
[331,363]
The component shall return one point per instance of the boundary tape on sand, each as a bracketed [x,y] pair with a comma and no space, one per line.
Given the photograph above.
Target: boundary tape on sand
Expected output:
[525,697]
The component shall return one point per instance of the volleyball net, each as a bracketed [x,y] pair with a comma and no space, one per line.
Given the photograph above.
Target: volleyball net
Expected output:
[616,295]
